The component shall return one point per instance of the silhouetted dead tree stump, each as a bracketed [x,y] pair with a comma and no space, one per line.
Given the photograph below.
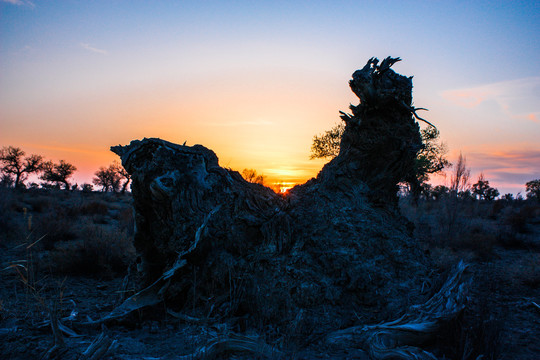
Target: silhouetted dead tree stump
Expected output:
[330,253]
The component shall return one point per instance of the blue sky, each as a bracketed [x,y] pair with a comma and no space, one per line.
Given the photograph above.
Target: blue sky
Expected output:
[255,81]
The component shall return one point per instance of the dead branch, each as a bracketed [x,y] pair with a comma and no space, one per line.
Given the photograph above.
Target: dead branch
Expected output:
[234,343]
[394,339]
[101,345]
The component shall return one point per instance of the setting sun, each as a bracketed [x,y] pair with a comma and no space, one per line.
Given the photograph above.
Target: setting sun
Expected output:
[251,179]
[74,77]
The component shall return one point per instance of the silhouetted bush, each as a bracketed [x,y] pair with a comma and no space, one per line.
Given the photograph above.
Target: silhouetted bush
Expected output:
[54,227]
[126,221]
[11,222]
[497,208]
[94,208]
[479,240]
[39,203]
[102,253]
[518,219]
[87,188]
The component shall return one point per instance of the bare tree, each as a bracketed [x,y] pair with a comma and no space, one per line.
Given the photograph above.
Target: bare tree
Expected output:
[58,173]
[482,189]
[14,164]
[108,178]
[252,176]
[123,175]
[459,180]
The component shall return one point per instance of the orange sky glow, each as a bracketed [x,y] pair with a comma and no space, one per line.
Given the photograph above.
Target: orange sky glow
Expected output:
[258,81]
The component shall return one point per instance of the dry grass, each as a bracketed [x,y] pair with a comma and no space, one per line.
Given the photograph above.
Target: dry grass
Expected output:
[479,227]
[71,232]
[501,241]
[102,253]
[90,235]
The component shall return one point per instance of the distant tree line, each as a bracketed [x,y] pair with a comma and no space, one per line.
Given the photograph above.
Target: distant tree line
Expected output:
[16,167]
[461,188]
[431,159]
[113,178]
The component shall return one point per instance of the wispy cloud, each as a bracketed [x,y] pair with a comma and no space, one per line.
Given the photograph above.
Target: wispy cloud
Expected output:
[93,49]
[240,123]
[519,99]
[27,3]
[534,117]
[510,169]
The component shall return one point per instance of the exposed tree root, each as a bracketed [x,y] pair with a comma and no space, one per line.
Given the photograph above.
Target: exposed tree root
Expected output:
[395,339]
[234,343]
[101,345]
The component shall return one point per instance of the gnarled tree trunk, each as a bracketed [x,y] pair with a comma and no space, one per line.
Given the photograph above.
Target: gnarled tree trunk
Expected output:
[331,251]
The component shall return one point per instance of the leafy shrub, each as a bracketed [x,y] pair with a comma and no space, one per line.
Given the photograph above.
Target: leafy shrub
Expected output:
[87,188]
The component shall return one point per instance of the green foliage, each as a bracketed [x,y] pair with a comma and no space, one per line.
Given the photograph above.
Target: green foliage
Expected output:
[327,144]
[533,189]
[431,159]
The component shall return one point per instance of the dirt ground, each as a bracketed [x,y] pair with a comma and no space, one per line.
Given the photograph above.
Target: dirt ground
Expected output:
[501,321]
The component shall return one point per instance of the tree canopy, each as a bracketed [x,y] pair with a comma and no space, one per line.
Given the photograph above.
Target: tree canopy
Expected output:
[431,159]
[483,191]
[110,178]
[58,173]
[533,189]
[15,164]
[328,143]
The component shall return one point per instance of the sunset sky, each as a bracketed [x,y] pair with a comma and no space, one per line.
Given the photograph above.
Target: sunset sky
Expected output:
[255,80]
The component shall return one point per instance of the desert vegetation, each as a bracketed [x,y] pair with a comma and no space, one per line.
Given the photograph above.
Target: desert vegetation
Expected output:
[16,167]
[366,261]
[70,253]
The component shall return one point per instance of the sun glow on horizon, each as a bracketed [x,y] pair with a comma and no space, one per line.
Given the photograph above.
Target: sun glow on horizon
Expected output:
[260,81]
[283,187]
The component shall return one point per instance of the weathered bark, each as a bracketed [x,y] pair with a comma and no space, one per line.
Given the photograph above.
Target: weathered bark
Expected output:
[312,261]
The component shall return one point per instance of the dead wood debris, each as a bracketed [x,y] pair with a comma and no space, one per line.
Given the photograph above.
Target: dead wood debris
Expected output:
[101,346]
[335,245]
[232,342]
[395,339]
